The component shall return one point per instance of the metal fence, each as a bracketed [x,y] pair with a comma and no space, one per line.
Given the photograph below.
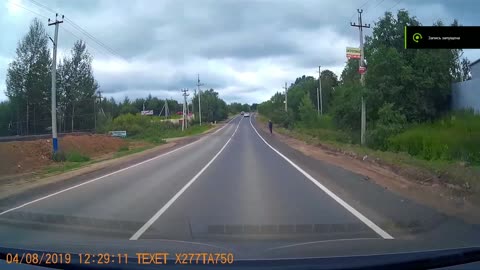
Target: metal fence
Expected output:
[78,123]
[466,95]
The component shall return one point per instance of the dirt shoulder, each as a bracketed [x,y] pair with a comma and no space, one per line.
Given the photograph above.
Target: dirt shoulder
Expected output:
[31,182]
[410,182]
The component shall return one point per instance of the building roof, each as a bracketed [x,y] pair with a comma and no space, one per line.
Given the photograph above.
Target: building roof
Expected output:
[475,62]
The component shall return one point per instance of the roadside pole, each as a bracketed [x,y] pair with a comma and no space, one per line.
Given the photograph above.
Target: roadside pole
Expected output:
[199,102]
[184,123]
[54,83]
[319,93]
[361,69]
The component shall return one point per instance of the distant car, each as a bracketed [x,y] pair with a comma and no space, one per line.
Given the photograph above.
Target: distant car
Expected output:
[246,115]
[242,113]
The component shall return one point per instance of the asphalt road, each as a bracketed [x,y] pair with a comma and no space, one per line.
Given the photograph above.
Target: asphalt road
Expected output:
[233,186]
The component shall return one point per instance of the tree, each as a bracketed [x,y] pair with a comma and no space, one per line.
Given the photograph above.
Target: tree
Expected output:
[6,115]
[329,82]
[235,107]
[307,112]
[466,72]
[77,85]
[28,79]
[213,107]
[417,82]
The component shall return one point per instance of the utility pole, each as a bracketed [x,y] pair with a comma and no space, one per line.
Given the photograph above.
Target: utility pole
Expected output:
[185,94]
[54,83]
[319,108]
[94,113]
[286,97]
[193,103]
[166,109]
[199,103]
[362,73]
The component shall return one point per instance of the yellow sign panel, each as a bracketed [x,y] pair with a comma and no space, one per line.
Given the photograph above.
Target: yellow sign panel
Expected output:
[353,53]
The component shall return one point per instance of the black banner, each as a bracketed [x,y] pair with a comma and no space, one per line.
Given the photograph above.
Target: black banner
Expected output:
[442,37]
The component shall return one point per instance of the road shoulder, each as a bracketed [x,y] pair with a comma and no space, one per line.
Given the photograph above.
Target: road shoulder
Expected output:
[345,175]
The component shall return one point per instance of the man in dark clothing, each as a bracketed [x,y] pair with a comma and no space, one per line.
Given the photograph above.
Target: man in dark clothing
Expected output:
[270,126]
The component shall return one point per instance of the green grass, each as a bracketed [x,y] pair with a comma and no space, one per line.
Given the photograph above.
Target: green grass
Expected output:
[123,148]
[75,156]
[131,151]
[455,137]
[65,167]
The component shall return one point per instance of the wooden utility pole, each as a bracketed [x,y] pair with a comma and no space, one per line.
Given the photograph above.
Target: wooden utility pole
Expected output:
[362,73]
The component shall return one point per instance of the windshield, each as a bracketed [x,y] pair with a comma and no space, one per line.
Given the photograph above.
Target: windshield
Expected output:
[250,129]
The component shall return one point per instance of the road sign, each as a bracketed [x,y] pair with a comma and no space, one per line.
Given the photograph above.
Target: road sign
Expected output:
[353,53]
[118,133]
[362,70]
[147,112]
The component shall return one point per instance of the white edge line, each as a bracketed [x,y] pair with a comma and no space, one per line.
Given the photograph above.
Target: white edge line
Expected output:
[323,241]
[109,174]
[162,210]
[352,210]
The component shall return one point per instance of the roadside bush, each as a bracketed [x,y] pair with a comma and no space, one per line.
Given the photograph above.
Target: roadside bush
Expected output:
[326,134]
[133,124]
[389,123]
[103,123]
[323,122]
[75,156]
[282,118]
[346,107]
[455,137]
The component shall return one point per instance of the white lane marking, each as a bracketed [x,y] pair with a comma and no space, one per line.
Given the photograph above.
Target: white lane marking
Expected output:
[109,174]
[162,210]
[324,241]
[352,210]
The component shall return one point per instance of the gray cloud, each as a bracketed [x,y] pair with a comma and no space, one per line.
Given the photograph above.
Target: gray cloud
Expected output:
[244,49]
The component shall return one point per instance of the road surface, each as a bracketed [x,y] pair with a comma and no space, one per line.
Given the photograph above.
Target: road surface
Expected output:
[233,186]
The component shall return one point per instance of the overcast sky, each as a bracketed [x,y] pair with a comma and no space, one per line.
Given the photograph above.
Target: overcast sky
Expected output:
[244,49]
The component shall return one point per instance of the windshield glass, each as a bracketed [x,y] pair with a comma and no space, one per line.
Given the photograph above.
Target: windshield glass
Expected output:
[252,129]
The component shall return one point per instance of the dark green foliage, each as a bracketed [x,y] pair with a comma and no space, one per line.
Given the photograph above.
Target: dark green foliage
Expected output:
[455,137]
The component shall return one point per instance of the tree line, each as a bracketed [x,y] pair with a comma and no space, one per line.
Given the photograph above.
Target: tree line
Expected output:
[79,105]
[402,87]
[28,86]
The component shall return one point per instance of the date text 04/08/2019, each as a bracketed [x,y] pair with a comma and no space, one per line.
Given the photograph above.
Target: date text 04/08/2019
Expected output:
[45,258]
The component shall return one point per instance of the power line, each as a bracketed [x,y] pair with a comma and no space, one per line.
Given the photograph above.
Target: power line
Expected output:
[94,39]
[78,28]
[34,12]
[42,6]
[79,38]
[398,2]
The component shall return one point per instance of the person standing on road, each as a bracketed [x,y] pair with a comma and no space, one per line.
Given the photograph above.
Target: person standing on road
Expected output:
[270,126]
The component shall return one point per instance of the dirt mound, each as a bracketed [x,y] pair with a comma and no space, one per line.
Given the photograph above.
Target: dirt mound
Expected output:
[27,156]
[91,145]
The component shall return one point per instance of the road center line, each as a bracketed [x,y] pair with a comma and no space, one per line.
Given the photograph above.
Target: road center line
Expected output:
[352,210]
[112,173]
[162,210]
